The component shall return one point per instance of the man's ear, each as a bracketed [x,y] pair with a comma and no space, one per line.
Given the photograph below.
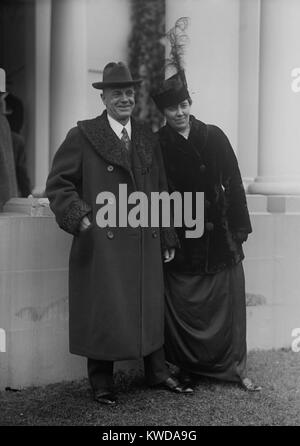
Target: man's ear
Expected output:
[103,97]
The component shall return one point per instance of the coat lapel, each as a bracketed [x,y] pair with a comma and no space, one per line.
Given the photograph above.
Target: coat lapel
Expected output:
[110,148]
[198,137]
[104,140]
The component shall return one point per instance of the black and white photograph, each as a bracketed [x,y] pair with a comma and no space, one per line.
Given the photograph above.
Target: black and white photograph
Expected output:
[149,215]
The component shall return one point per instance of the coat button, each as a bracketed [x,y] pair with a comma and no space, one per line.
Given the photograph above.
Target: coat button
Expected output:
[209,226]
[154,234]
[110,168]
[202,168]
[110,235]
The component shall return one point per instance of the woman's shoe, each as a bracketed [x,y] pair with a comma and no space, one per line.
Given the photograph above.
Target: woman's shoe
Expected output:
[174,386]
[249,386]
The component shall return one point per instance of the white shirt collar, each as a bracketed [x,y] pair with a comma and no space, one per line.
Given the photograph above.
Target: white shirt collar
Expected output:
[117,127]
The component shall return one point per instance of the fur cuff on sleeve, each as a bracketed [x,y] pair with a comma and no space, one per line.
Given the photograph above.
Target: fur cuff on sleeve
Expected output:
[73,215]
[168,238]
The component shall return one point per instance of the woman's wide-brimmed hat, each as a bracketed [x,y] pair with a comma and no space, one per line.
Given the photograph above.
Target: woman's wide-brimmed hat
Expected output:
[171,92]
[116,75]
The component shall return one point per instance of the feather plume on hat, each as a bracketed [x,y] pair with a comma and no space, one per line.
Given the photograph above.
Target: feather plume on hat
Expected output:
[174,89]
[178,40]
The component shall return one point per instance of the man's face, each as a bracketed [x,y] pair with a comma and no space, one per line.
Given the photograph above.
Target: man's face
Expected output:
[119,102]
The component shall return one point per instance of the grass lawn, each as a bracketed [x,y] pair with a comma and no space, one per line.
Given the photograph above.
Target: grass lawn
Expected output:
[213,403]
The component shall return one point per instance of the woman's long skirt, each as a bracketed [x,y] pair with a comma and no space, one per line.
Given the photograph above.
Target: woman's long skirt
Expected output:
[205,327]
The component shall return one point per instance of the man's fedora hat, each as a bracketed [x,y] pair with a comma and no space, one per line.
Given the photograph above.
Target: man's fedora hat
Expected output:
[116,75]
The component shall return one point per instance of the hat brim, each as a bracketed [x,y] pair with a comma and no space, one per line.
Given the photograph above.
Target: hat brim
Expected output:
[170,98]
[102,85]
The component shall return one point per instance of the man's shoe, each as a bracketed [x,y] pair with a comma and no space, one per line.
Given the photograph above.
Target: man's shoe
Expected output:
[107,398]
[249,386]
[174,386]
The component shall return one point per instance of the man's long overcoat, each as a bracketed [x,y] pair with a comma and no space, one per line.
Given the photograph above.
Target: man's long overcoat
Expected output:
[115,277]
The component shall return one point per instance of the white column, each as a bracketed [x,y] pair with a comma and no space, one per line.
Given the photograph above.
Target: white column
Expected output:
[212,59]
[28,85]
[279,105]
[42,84]
[68,68]
[248,88]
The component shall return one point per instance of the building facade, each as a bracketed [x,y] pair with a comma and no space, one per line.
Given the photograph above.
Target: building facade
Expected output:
[243,71]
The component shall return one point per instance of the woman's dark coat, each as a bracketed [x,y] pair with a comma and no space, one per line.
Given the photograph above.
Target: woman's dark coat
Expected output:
[115,277]
[206,163]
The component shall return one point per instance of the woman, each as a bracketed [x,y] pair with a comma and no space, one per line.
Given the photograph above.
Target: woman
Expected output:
[205,287]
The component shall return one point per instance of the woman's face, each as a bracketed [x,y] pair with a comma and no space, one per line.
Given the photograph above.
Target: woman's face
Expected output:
[178,116]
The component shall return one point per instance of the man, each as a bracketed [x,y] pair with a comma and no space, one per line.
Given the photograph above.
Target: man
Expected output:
[23,180]
[15,117]
[8,182]
[115,279]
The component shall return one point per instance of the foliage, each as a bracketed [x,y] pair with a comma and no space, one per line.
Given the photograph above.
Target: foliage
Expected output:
[147,55]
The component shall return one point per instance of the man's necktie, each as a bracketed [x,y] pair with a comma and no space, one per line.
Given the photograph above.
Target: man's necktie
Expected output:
[126,140]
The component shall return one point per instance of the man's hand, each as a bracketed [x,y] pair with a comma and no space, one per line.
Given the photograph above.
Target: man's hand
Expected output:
[84,224]
[169,255]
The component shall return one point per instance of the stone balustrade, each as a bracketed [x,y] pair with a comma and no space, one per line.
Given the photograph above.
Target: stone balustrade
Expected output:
[34,288]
